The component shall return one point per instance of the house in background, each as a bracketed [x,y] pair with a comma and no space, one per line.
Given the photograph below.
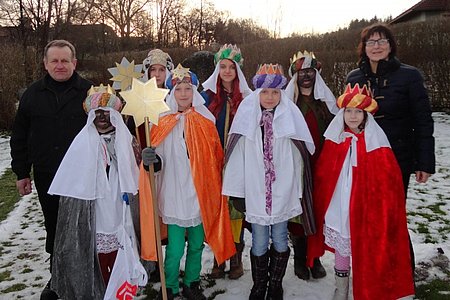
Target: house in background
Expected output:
[425,10]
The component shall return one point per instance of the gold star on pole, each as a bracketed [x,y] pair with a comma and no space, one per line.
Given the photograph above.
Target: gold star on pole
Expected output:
[145,100]
[124,73]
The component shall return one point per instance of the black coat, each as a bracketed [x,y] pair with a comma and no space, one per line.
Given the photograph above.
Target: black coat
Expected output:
[46,123]
[404,111]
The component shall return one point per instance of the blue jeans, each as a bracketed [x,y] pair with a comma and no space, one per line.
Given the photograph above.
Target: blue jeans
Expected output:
[261,235]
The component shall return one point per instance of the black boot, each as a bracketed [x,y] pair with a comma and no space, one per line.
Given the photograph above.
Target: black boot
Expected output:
[277,269]
[300,268]
[170,295]
[260,275]
[193,292]
[317,270]
[48,293]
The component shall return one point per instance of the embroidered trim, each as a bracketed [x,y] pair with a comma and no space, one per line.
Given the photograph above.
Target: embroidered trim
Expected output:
[337,242]
[107,242]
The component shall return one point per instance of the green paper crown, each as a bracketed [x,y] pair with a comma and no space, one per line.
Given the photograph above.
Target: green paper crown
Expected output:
[231,52]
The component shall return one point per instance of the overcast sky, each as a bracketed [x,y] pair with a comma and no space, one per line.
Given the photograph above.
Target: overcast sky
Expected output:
[315,16]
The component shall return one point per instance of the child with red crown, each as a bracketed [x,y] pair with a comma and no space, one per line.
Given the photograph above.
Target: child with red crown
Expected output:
[359,204]
[266,162]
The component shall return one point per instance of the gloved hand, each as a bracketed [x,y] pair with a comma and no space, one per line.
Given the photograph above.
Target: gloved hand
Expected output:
[149,156]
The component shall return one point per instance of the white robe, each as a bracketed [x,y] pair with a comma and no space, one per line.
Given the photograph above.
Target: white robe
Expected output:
[244,174]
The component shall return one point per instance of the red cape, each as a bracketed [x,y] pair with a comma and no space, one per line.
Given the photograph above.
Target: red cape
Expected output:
[381,263]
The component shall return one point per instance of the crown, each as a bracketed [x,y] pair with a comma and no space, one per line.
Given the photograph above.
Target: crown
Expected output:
[229,51]
[101,89]
[301,54]
[273,69]
[357,97]
[180,72]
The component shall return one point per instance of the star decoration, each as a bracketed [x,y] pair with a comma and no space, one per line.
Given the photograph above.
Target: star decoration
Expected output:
[180,72]
[124,73]
[145,100]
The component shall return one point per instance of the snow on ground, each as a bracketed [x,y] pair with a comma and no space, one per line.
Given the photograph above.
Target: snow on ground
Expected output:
[22,238]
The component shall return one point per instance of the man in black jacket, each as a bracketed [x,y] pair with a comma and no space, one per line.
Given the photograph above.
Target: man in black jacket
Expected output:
[49,116]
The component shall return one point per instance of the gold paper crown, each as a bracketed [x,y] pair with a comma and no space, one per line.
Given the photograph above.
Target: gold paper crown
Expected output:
[180,72]
[275,69]
[101,89]
[301,54]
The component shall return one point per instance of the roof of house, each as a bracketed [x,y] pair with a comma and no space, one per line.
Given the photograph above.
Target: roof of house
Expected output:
[422,6]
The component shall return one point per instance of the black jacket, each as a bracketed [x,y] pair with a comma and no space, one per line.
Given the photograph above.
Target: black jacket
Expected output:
[404,111]
[46,122]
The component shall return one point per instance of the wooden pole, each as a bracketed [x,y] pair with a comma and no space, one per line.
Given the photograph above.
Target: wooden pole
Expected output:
[156,215]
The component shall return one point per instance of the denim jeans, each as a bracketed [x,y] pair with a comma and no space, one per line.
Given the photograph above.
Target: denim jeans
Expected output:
[260,238]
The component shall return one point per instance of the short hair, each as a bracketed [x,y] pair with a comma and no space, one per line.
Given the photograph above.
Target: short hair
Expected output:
[60,44]
[382,30]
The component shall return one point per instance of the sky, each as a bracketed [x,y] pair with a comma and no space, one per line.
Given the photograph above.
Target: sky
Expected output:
[315,16]
[22,238]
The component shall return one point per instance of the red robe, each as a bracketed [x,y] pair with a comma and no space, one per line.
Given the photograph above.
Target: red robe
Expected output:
[381,263]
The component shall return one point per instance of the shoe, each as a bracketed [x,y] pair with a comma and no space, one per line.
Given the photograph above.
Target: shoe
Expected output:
[217,272]
[236,268]
[318,271]
[154,276]
[300,269]
[193,292]
[48,293]
[170,295]
[260,275]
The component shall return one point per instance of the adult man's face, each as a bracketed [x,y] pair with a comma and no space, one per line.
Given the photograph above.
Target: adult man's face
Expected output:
[306,77]
[60,63]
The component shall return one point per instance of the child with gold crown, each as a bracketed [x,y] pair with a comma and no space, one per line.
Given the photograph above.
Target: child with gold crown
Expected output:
[188,165]
[266,164]
[359,204]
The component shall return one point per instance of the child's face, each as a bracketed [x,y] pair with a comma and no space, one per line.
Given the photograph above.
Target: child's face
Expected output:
[183,95]
[269,98]
[227,71]
[159,72]
[102,121]
[353,118]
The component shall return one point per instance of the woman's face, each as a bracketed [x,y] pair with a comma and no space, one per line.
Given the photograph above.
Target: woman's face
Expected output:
[269,98]
[227,71]
[183,95]
[353,117]
[377,48]
[159,72]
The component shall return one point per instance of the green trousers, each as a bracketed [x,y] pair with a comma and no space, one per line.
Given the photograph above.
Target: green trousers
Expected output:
[175,251]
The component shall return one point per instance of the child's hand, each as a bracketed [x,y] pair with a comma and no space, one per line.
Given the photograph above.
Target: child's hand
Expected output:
[149,156]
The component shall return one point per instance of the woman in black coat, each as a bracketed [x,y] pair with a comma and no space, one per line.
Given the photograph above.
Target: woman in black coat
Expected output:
[404,107]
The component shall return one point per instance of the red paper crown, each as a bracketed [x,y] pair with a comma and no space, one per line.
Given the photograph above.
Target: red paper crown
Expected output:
[357,97]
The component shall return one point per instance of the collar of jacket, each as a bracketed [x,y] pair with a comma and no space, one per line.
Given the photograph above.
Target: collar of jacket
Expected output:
[74,81]
[384,66]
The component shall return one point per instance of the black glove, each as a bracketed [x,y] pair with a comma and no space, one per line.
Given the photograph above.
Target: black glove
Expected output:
[149,156]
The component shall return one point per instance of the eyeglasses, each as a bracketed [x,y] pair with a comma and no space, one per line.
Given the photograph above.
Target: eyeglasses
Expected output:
[380,42]
[309,72]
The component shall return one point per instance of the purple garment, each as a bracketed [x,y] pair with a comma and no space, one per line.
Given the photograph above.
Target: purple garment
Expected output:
[266,122]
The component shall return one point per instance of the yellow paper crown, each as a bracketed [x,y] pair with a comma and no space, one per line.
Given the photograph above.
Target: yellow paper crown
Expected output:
[101,89]
[301,54]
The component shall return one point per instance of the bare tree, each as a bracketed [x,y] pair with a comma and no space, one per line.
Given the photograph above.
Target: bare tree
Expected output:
[121,13]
